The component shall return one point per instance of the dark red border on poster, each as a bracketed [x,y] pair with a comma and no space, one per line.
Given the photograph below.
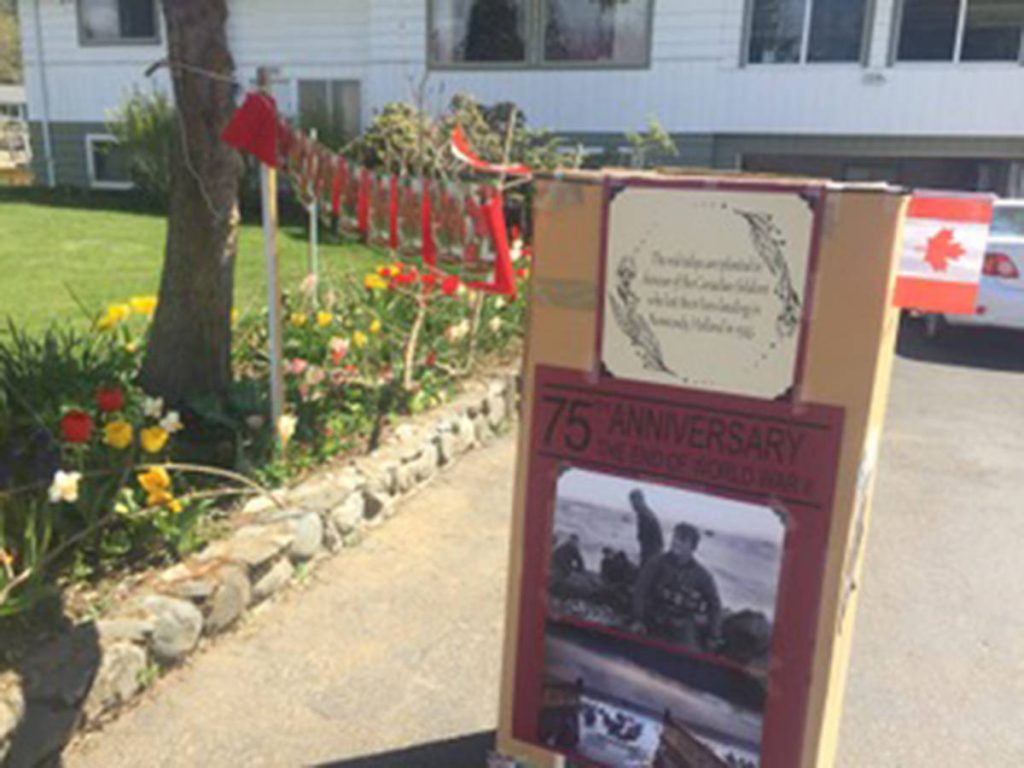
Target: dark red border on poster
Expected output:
[814,194]
[559,443]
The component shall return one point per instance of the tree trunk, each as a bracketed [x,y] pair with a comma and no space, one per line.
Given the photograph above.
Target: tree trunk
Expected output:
[189,352]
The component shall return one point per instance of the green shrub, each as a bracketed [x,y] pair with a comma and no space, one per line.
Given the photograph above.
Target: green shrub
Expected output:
[145,125]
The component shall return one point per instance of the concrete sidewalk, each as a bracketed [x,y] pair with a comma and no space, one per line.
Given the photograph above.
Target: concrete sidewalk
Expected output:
[395,644]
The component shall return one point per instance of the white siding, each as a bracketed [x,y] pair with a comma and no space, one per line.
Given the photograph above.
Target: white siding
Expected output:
[695,83]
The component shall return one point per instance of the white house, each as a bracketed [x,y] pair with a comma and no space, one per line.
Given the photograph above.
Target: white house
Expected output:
[927,92]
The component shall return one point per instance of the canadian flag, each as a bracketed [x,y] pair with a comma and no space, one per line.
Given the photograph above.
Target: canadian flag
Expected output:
[944,240]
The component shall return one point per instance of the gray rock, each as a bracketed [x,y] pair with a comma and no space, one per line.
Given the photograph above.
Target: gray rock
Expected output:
[12,708]
[177,626]
[481,430]
[273,580]
[308,530]
[258,504]
[381,476]
[258,544]
[426,465]
[119,678]
[324,493]
[496,411]
[229,600]
[512,395]
[405,477]
[465,434]
[348,515]
[124,630]
[377,505]
[446,442]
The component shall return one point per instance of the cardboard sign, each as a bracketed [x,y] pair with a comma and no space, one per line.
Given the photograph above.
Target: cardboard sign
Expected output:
[706,364]
[944,241]
[707,287]
[668,646]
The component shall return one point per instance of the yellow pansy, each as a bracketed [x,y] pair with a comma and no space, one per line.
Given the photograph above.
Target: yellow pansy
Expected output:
[153,439]
[143,305]
[154,480]
[323,319]
[116,313]
[375,326]
[360,339]
[118,435]
[131,347]
[234,316]
[375,282]
[299,319]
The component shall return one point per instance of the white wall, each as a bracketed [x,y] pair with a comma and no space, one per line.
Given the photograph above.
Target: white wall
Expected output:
[695,83]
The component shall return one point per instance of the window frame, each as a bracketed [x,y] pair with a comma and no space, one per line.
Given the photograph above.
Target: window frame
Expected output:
[862,60]
[120,42]
[958,43]
[91,140]
[536,23]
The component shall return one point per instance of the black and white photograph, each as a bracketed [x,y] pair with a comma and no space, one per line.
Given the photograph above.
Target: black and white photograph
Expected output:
[619,703]
[691,569]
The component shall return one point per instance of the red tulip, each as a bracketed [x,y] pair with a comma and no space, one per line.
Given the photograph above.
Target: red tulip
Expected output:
[109,399]
[76,426]
[450,285]
[431,359]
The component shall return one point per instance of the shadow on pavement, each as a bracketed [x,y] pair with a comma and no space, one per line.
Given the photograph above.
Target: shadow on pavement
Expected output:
[994,349]
[463,752]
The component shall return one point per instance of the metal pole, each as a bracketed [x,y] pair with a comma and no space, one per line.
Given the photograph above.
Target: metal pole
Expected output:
[268,194]
[314,237]
[51,174]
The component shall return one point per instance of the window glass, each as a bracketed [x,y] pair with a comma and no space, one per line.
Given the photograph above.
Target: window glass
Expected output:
[478,30]
[1008,221]
[837,30]
[993,30]
[597,30]
[928,30]
[105,21]
[776,31]
[109,162]
[332,107]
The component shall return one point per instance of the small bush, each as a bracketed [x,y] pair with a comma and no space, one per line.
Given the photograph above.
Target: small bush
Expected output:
[145,125]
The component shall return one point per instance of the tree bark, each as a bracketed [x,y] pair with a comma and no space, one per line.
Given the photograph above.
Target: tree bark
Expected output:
[189,351]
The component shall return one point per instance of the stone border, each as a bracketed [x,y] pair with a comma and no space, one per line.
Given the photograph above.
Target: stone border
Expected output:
[85,677]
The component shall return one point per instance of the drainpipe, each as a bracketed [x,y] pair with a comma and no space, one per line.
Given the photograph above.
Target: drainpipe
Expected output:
[51,176]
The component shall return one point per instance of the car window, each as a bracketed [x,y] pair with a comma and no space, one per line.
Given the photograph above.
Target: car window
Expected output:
[1008,221]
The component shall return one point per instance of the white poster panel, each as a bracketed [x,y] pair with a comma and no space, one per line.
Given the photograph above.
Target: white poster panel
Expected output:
[706,287]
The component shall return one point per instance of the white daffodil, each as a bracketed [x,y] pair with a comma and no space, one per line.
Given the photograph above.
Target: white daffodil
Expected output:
[64,487]
[286,428]
[516,250]
[499,303]
[458,331]
[171,423]
[495,324]
[153,407]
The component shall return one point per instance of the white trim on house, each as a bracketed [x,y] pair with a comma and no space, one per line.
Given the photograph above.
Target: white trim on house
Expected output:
[91,140]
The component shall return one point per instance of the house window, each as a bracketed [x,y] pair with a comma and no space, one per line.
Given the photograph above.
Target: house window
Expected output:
[106,163]
[801,31]
[105,22]
[332,107]
[960,30]
[540,33]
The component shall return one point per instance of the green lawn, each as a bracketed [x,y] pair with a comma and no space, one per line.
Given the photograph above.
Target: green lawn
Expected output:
[54,244]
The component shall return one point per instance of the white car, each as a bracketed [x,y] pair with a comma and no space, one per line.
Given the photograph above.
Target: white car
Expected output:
[1001,295]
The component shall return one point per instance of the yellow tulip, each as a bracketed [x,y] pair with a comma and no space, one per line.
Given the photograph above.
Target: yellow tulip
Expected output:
[375,326]
[116,313]
[143,305]
[323,319]
[153,439]
[298,319]
[375,282]
[234,316]
[360,339]
[118,435]
[154,479]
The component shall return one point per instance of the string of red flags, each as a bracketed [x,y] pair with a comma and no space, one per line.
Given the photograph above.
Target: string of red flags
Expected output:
[453,229]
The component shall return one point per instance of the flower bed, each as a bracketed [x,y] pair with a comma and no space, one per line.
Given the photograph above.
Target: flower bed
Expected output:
[97,477]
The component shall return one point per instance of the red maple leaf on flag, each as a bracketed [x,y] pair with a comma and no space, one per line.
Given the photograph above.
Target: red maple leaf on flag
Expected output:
[942,249]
